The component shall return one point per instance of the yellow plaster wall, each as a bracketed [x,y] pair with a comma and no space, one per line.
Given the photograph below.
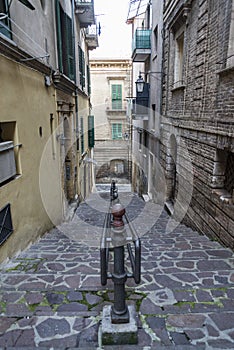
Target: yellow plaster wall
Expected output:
[84,170]
[25,99]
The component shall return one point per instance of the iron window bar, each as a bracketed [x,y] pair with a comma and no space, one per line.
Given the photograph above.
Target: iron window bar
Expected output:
[6,227]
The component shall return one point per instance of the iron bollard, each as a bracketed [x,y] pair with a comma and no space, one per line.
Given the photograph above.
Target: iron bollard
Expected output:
[119,311]
[114,238]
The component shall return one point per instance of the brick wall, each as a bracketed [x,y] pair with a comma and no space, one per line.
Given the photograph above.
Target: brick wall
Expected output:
[199,113]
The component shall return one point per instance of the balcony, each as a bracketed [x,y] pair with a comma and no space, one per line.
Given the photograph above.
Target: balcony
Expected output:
[91,37]
[85,12]
[116,108]
[141,45]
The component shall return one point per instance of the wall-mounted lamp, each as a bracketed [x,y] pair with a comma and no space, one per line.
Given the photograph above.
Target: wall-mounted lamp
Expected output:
[140,84]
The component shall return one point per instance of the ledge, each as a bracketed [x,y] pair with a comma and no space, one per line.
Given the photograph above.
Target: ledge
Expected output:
[178,88]
[225,71]
[223,195]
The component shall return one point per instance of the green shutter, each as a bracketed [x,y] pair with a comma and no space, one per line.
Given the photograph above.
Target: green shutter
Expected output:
[116,96]
[82,67]
[65,42]
[59,35]
[88,80]
[117,131]
[70,49]
[82,135]
[91,130]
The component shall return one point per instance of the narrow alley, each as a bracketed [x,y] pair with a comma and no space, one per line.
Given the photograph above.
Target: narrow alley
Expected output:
[51,295]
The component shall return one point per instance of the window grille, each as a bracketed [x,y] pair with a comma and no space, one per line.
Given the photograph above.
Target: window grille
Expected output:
[6,227]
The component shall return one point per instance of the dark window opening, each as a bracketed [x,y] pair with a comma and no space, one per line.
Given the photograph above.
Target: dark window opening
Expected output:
[229,173]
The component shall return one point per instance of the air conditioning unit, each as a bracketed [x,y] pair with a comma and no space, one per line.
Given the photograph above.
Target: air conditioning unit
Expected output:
[7,161]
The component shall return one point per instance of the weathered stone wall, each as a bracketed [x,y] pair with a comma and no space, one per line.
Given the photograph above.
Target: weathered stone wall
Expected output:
[199,113]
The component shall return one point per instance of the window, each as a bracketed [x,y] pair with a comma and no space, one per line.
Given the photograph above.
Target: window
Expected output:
[88,80]
[65,42]
[179,60]
[5,23]
[9,152]
[81,67]
[116,96]
[223,176]
[117,166]
[91,130]
[229,173]
[82,135]
[117,131]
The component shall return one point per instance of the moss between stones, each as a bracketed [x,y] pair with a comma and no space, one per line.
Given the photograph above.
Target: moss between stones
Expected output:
[26,265]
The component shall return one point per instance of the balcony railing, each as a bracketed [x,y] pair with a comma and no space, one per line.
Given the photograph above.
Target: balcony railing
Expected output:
[141,45]
[85,12]
[116,106]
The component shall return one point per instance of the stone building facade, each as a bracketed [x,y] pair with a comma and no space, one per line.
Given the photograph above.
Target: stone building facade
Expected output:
[197,122]
[111,86]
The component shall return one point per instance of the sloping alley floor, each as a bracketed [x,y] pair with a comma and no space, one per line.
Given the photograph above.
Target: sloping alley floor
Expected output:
[51,296]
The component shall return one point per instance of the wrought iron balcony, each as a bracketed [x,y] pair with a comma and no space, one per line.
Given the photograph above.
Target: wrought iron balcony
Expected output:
[85,12]
[141,45]
[91,37]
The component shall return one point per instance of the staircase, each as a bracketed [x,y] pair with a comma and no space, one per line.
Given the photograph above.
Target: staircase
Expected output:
[51,296]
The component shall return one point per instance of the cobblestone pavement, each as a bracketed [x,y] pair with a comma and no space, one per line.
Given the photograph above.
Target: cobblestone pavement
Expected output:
[51,296]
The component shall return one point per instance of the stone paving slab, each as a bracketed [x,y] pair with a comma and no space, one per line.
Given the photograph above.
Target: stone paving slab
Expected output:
[51,296]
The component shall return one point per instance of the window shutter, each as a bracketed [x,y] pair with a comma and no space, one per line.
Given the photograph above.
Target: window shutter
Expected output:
[82,67]
[116,131]
[91,130]
[65,42]
[88,80]
[82,135]
[116,96]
